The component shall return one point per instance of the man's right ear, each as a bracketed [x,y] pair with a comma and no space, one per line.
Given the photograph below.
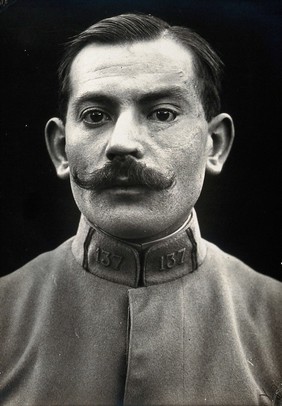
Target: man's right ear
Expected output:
[56,143]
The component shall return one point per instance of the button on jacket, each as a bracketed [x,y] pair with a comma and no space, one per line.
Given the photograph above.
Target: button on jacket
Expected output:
[101,322]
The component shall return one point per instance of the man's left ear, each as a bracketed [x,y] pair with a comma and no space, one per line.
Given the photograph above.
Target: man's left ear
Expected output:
[56,145]
[221,136]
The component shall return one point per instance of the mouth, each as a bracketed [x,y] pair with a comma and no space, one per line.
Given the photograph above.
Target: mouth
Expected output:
[123,186]
[125,183]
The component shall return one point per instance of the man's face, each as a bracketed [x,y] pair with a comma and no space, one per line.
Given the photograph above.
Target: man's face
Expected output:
[137,100]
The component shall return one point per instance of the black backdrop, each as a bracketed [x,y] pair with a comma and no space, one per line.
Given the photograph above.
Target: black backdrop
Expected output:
[239,210]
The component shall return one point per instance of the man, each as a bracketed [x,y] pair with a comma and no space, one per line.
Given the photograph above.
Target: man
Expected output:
[137,309]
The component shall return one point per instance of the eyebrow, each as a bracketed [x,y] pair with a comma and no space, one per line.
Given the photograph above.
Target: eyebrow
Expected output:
[174,92]
[94,97]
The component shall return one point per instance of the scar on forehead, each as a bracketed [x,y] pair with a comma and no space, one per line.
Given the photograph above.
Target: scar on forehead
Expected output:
[120,69]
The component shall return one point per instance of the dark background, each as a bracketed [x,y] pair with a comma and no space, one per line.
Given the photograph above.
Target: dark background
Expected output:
[239,210]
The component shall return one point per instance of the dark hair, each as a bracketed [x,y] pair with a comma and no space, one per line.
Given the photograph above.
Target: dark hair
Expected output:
[129,28]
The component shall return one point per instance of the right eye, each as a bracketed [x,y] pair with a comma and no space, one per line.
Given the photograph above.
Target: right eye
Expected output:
[95,117]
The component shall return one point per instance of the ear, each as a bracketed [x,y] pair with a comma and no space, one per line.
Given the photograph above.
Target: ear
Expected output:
[221,135]
[55,140]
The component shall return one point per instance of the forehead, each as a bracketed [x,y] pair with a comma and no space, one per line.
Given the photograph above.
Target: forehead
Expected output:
[137,67]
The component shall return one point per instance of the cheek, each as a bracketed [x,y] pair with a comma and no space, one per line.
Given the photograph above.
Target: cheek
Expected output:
[83,156]
[76,156]
[83,146]
[191,152]
[191,167]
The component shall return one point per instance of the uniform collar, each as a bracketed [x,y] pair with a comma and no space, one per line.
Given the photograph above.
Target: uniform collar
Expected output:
[160,261]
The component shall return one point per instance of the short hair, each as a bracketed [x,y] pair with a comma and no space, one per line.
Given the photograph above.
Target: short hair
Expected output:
[130,28]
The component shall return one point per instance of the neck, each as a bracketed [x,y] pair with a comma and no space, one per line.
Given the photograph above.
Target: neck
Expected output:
[146,242]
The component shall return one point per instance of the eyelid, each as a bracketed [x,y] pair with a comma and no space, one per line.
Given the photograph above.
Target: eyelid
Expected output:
[105,117]
[173,110]
[165,106]
[90,109]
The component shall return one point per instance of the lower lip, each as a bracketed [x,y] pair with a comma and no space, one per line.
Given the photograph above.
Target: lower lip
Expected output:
[129,191]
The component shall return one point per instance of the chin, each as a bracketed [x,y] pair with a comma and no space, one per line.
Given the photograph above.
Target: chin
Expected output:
[128,225]
[128,230]
[122,219]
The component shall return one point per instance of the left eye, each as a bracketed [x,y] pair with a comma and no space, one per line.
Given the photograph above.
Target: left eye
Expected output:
[163,115]
[95,117]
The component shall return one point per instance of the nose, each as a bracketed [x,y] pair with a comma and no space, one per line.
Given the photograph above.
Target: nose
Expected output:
[126,138]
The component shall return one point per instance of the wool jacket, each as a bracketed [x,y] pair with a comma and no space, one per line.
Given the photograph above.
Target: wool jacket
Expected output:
[101,322]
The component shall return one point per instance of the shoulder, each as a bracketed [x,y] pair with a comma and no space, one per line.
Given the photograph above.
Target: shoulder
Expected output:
[243,282]
[29,290]
[37,270]
[217,256]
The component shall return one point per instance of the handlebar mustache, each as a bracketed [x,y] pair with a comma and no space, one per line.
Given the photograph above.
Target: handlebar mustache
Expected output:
[133,173]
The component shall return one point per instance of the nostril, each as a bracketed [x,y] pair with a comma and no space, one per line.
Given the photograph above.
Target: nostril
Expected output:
[119,157]
[110,156]
[123,154]
[137,154]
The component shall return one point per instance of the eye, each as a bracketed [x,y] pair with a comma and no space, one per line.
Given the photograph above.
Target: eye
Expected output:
[95,116]
[163,115]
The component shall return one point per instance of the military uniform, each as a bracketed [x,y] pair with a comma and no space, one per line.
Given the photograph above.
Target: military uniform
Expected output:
[101,322]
